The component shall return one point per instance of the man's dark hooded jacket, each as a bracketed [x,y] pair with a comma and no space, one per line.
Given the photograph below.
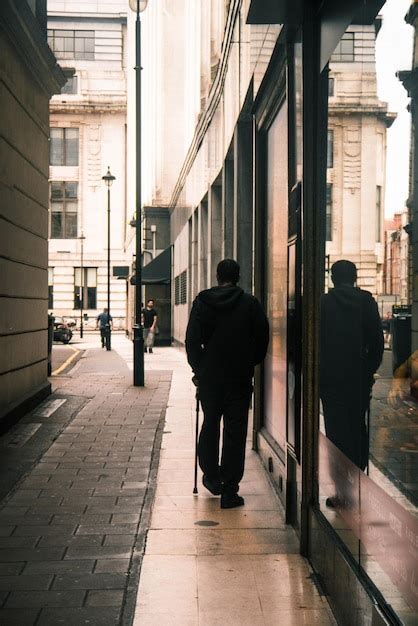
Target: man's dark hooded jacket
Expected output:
[227,335]
[351,339]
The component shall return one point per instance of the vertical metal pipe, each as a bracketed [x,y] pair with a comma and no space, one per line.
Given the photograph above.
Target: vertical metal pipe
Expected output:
[82,285]
[108,266]
[138,332]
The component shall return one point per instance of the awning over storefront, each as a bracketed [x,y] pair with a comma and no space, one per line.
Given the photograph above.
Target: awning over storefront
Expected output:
[335,16]
[158,272]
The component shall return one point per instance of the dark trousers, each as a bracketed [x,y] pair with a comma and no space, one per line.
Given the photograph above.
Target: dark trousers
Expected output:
[104,336]
[230,401]
[345,415]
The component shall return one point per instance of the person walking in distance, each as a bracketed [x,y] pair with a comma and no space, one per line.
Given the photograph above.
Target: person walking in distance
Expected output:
[351,350]
[227,335]
[105,322]
[149,322]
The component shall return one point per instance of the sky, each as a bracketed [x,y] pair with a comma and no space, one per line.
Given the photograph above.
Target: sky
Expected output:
[394,53]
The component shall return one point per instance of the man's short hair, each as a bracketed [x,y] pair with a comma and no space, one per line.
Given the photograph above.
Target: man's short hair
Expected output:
[228,271]
[150,300]
[343,272]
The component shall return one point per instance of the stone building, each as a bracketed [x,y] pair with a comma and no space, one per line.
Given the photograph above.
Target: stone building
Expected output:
[396,258]
[88,135]
[29,75]
[357,157]
[247,173]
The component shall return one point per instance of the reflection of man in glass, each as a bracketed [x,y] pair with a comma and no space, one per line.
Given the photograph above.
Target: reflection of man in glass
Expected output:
[351,351]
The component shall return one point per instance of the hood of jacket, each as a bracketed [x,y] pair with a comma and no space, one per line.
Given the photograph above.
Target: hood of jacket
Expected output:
[346,298]
[221,298]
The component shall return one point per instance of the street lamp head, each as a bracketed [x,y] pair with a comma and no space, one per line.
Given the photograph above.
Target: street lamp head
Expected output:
[108,178]
[134,5]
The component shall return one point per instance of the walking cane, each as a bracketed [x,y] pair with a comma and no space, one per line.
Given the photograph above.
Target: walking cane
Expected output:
[196,441]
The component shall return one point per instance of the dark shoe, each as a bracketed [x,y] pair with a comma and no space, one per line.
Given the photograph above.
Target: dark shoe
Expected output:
[150,350]
[231,500]
[145,350]
[214,486]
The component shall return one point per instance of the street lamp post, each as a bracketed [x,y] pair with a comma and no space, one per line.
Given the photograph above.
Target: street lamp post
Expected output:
[82,238]
[108,178]
[138,6]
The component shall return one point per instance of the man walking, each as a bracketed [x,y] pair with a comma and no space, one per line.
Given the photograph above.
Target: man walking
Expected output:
[149,322]
[104,320]
[226,337]
[351,350]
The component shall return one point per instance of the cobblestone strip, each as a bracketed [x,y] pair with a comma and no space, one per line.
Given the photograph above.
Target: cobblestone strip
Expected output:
[68,531]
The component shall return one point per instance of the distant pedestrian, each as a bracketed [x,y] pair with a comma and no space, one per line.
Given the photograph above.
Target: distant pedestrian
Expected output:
[227,335]
[105,322]
[149,322]
[386,322]
[351,350]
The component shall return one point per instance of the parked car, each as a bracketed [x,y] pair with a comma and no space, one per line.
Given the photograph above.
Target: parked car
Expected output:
[62,330]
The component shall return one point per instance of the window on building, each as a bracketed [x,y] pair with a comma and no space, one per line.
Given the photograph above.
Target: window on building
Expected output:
[64,205]
[328,213]
[71,85]
[72,44]
[330,86]
[64,146]
[50,287]
[183,287]
[344,52]
[330,148]
[85,287]
[378,213]
[180,288]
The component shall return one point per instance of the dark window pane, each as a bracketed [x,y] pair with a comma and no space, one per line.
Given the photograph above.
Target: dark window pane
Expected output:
[71,190]
[57,191]
[91,298]
[76,297]
[71,225]
[56,226]
[50,297]
[56,152]
[71,146]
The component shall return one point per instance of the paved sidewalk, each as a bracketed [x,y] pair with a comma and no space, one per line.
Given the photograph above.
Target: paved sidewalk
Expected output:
[72,529]
[206,566]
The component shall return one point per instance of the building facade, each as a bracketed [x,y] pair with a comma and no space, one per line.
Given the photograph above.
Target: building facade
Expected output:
[88,134]
[356,160]
[396,263]
[274,91]
[29,76]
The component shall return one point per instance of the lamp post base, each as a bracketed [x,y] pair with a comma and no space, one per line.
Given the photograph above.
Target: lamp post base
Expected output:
[138,356]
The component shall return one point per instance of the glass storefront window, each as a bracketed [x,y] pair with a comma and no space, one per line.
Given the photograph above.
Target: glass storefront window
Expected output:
[275,375]
[368,442]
